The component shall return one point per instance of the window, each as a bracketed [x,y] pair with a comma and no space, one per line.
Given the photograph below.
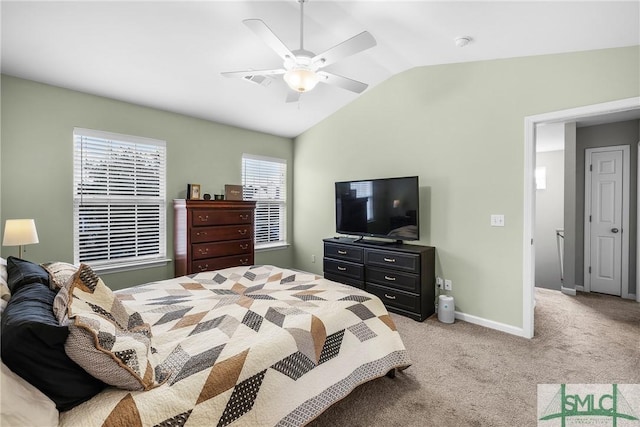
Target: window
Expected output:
[118,200]
[264,180]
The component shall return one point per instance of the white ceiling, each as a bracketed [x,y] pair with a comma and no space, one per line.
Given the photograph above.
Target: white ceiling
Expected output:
[169,55]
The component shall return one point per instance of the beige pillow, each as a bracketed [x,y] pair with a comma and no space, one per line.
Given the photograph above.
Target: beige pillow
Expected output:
[22,404]
[110,343]
[59,273]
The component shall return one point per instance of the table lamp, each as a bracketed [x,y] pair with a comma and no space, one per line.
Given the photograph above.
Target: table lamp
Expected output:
[19,232]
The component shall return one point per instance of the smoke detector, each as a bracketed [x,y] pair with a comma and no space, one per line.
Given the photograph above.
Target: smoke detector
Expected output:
[463,41]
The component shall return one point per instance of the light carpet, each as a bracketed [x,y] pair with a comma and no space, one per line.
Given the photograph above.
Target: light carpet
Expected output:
[468,375]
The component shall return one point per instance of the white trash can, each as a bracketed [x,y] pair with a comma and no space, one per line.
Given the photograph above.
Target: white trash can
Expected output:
[446,309]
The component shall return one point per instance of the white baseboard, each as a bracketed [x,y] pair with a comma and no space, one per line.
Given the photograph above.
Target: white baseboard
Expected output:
[568,291]
[502,327]
[580,288]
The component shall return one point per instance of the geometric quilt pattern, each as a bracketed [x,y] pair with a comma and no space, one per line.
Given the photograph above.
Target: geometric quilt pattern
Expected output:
[252,345]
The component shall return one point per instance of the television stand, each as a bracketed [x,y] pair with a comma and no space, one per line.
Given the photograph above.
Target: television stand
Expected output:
[401,275]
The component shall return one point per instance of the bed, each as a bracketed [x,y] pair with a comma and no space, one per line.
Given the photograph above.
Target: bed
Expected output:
[243,346]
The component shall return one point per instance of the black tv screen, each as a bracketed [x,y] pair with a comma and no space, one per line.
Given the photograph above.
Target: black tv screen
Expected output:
[386,208]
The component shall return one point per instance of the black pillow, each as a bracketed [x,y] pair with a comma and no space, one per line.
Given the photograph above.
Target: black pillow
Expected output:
[22,272]
[32,346]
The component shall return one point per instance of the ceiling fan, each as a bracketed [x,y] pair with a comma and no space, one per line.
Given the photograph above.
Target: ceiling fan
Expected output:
[302,69]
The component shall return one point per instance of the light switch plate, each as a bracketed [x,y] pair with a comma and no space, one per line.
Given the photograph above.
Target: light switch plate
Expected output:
[497,220]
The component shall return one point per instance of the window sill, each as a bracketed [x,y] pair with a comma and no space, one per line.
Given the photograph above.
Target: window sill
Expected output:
[272,247]
[134,265]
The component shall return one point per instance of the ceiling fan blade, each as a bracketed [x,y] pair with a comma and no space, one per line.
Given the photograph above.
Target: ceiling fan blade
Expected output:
[249,73]
[264,32]
[355,44]
[343,82]
[293,96]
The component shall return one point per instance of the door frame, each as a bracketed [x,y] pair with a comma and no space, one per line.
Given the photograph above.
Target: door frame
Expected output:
[529,217]
[626,164]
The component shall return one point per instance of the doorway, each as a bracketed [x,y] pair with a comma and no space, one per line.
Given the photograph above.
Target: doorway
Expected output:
[605,112]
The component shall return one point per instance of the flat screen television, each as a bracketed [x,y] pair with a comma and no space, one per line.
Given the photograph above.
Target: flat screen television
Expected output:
[387,208]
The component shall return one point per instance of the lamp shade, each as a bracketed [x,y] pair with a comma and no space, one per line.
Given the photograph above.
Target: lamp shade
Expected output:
[19,232]
[301,79]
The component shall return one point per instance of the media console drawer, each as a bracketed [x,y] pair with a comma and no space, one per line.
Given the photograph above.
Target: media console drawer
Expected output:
[401,275]
[344,252]
[395,298]
[344,268]
[393,279]
[395,260]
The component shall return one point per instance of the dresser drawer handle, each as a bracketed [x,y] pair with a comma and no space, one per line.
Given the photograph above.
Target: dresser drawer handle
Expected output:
[244,261]
[342,252]
[244,217]
[389,296]
[242,232]
[390,259]
[245,246]
[342,268]
[203,267]
[203,251]
[389,278]
[203,218]
[201,233]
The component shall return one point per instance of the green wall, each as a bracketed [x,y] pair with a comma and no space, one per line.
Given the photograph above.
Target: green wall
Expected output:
[37,163]
[460,128]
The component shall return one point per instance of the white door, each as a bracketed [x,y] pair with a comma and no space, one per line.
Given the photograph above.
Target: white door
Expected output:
[605,203]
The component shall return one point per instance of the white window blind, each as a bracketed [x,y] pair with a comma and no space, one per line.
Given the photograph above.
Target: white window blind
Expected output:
[264,180]
[118,199]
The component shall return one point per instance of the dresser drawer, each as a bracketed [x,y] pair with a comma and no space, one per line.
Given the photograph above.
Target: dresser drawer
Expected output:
[347,253]
[394,279]
[344,268]
[220,263]
[397,299]
[203,217]
[396,260]
[225,232]
[210,250]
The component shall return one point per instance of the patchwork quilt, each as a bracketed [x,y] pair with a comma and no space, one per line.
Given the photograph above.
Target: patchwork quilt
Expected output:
[249,346]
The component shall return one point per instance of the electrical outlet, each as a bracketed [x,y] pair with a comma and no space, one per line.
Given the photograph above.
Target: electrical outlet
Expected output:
[439,282]
[448,285]
[313,258]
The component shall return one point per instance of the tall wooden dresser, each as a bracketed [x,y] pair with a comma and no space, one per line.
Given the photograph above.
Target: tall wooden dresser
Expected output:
[211,235]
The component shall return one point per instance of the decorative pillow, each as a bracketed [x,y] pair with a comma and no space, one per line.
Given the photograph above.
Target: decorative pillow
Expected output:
[23,404]
[5,293]
[21,272]
[32,346]
[59,273]
[104,338]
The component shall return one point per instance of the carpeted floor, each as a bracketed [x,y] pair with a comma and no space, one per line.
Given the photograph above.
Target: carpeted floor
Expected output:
[467,375]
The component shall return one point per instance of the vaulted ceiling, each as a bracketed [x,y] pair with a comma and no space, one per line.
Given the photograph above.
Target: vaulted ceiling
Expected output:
[169,55]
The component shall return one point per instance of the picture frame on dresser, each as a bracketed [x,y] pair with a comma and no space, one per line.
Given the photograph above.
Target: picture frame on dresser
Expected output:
[193,191]
[233,192]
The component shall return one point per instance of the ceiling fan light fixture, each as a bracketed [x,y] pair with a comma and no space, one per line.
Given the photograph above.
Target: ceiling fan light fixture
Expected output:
[301,79]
